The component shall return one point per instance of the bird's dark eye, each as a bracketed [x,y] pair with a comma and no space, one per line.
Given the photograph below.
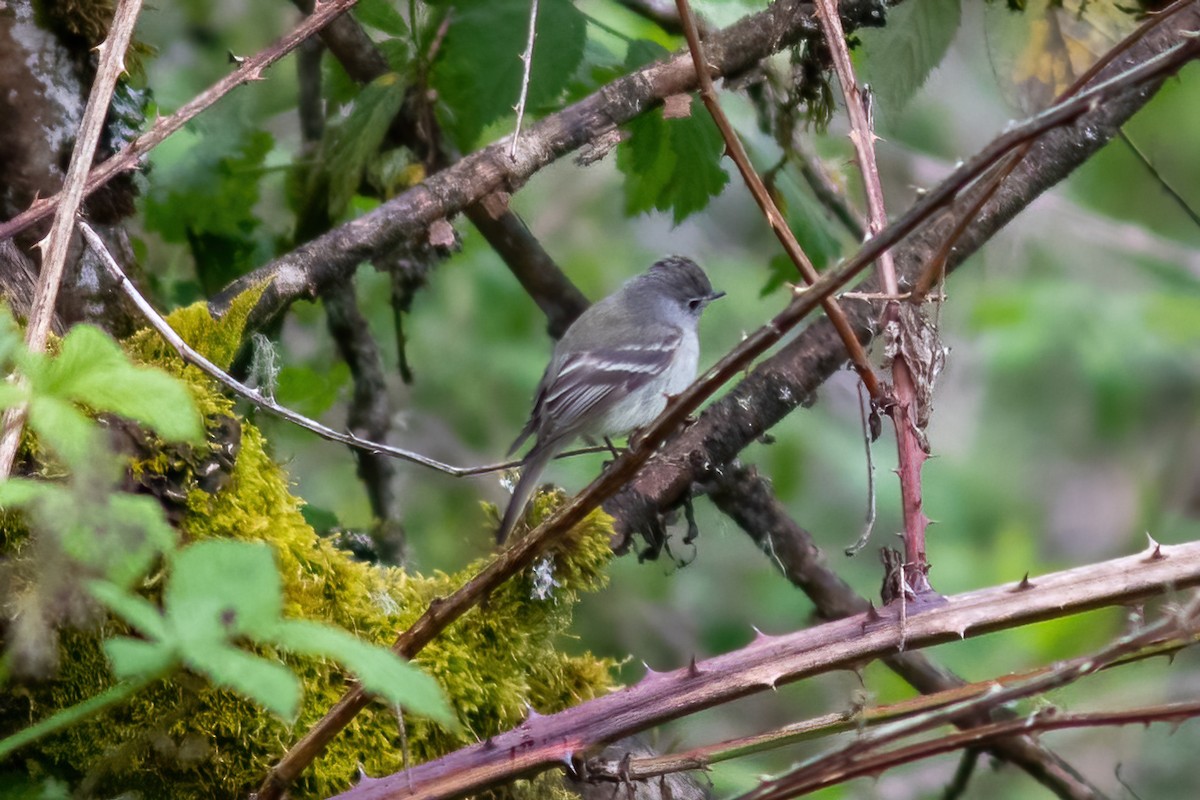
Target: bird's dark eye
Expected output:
[695,303]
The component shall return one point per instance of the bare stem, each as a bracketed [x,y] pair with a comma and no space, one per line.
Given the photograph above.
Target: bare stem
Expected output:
[779,226]
[527,62]
[54,246]
[190,355]
[250,69]
[903,410]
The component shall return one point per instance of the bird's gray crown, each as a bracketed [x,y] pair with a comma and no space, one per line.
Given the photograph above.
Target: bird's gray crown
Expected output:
[681,279]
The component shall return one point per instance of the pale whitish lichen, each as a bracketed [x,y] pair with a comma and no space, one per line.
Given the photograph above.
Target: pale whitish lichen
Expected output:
[50,65]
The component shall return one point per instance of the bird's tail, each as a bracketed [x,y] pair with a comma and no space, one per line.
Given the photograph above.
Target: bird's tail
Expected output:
[531,470]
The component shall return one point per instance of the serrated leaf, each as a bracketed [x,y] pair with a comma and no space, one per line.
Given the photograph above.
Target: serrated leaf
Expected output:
[92,369]
[478,71]
[223,588]
[380,670]
[647,162]
[382,16]
[65,429]
[897,59]
[134,609]
[134,658]
[268,683]
[354,141]
[671,164]
[698,177]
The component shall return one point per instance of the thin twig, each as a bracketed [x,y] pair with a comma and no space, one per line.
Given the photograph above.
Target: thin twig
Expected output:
[190,355]
[250,69]
[779,226]
[856,718]
[903,412]
[1036,722]
[1179,199]
[867,416]
[54,246]
[858,757]
[527,62]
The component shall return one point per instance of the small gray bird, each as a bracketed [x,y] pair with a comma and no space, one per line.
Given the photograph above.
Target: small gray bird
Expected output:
[615,367]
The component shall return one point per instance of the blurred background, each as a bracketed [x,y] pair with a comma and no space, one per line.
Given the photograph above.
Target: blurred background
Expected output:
[1065,424]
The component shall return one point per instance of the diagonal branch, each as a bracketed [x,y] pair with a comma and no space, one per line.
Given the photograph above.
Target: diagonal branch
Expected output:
[857,757]
[779,226]
[250,69]
[542,742]
[748,500]
[302,273]
[54,246]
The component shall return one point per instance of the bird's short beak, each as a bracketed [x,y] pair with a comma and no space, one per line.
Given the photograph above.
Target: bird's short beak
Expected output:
[714,296]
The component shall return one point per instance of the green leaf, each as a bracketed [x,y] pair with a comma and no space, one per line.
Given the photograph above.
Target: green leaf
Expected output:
[208,200]
[21,492]
[672,164]
[92,369]
[698,178]
[66,430]
[478,71]
[268,683]
[810,224]
[352,144]
[647,162]
[897,59]
[144,534]
[380,670]
[11,395]
[134,658]
[134,609]
[382,16]
[221,588]
[642,52]
[310,391]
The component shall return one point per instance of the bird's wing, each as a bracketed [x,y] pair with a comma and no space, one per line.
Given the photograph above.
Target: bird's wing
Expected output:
[593,379]
[589,380]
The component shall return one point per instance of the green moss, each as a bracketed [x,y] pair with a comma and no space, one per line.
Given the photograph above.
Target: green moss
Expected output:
[216,338]
[184,739]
